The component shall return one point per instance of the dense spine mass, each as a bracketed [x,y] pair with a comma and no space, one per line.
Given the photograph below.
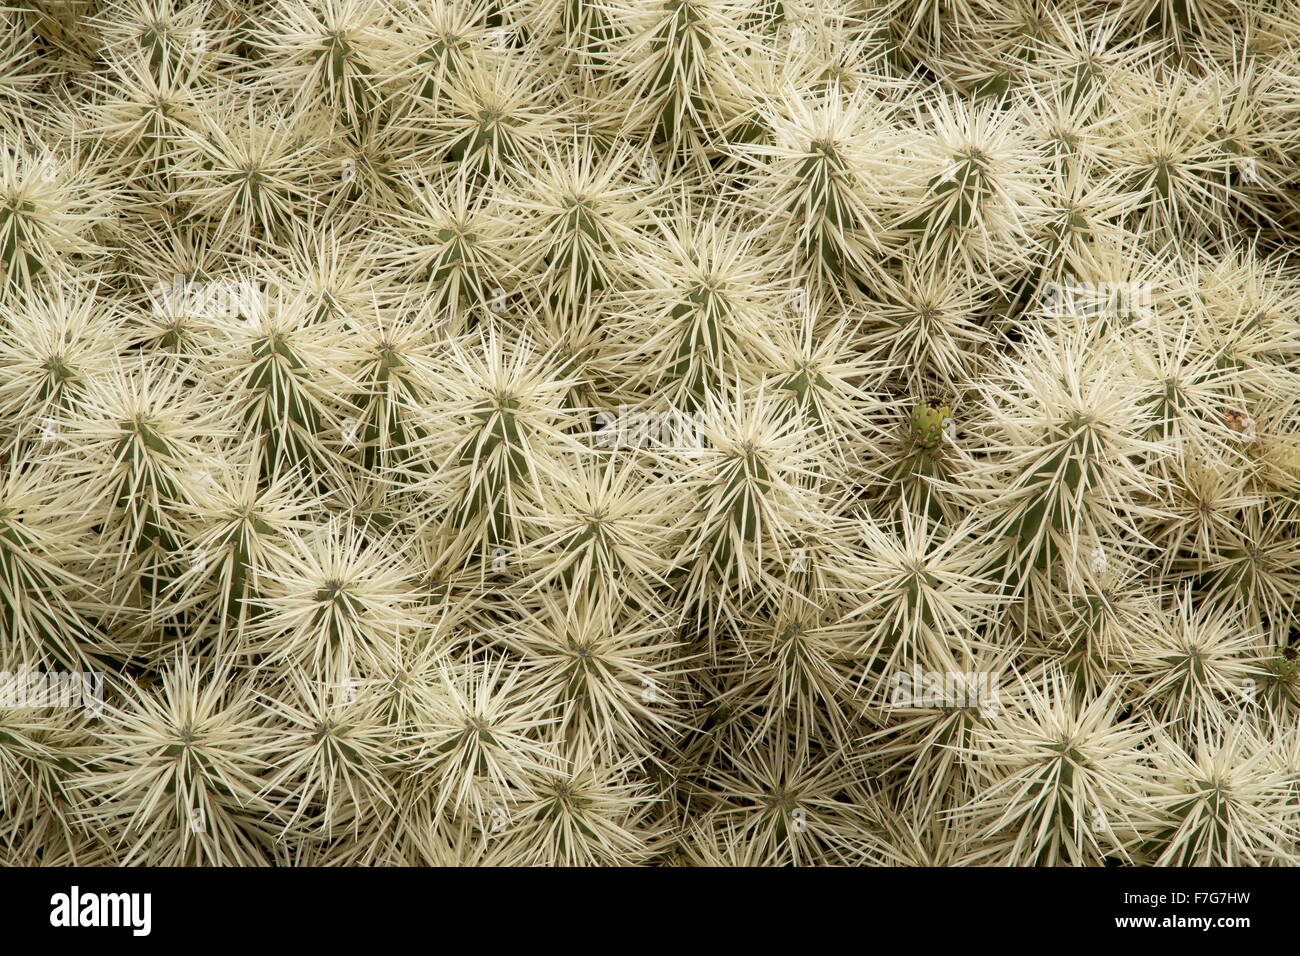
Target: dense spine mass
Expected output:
[715,432]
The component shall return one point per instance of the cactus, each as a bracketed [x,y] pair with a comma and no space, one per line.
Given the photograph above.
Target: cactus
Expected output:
[650,432]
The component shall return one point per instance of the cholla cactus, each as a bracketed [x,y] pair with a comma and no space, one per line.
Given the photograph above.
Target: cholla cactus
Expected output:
[706,432]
